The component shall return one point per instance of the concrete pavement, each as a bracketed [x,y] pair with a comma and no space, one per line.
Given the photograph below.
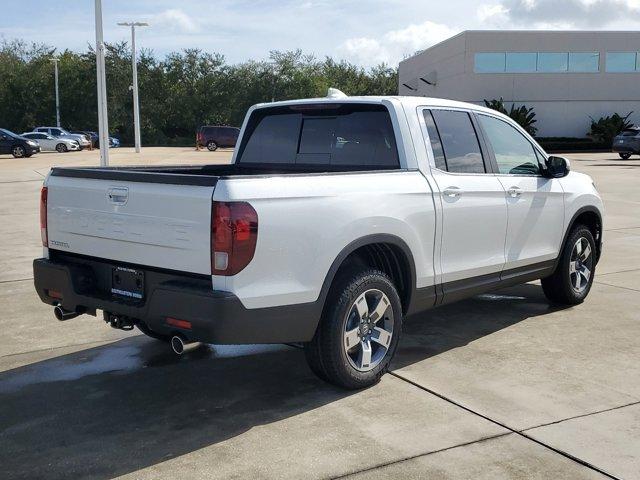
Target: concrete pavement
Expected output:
[498,386]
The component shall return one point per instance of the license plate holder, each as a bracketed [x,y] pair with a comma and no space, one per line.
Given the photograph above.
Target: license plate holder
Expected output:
[127,283]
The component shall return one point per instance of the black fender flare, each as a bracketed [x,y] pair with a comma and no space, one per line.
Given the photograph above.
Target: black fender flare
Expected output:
[361,242]
[571,224]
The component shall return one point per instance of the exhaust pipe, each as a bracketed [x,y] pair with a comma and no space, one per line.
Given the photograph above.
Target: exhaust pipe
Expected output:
[181,345]
[63,314]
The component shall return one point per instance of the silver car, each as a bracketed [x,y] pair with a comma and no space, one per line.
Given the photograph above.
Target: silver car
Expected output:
[58,132]
[50,143]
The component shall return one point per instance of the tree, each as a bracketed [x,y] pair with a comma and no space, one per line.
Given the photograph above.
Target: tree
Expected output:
[525,117]
[606,128]
[178,93]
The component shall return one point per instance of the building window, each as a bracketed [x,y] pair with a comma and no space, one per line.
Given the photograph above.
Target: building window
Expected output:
[538,62]
[490,62]
[621,62]
[584,62]
[521,62]
[553,62]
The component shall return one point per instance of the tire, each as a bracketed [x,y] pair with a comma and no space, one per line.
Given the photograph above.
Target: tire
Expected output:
[212,146]
[150,333]
[625,156]
[571,282]
[361,304]
[18,151]
[61,148]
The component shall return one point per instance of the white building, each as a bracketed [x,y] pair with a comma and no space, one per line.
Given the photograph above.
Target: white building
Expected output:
[566,76]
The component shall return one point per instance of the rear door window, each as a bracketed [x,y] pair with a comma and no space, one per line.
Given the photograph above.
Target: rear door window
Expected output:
[352,135]
[460,147]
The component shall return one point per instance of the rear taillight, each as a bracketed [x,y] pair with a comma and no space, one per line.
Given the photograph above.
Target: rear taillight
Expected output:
[43,216]
[234,232]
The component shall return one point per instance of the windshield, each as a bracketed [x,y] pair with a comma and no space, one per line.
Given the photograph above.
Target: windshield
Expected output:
[8,133]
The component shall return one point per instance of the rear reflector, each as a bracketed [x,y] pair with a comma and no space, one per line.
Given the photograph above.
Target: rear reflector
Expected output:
[175,322]
[54,294]
[234,233]
[43,216]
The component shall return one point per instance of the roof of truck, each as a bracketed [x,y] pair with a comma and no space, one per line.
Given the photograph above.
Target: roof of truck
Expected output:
[411,102]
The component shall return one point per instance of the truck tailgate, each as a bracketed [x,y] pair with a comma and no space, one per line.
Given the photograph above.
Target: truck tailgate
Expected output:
[154,224]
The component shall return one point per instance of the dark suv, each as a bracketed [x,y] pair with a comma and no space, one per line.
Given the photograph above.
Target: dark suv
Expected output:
[214,137]
[16,145]
[627,142]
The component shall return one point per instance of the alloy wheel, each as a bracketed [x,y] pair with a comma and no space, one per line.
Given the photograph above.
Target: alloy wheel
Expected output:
[368,330]
[580,265]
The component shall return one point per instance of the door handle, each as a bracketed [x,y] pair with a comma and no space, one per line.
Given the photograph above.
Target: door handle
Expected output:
[514,192]
[452,192]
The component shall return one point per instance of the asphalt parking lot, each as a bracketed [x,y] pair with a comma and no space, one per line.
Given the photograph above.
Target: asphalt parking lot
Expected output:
[498,386]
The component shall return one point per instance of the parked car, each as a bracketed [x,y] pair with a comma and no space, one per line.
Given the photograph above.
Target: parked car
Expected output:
[95,138]
[92,136]
[17,145]
[337,218]
[58,132]
[213,137]
[52,144]
[627,143]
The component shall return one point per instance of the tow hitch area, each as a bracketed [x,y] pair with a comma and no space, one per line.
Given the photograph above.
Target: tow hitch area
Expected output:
[118,321]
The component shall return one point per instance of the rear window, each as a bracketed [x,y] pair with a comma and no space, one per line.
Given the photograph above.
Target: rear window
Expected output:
[349,135]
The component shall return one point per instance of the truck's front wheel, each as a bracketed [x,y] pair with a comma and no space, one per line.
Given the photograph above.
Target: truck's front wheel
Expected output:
[359,330]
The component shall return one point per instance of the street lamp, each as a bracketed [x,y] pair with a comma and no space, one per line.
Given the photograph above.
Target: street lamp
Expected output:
[55,61]
[103,119]
[136,104]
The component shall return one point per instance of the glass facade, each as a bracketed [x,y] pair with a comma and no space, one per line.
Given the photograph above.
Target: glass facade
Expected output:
[521,62]
[622,62]
[490,62]
[584,62]
[538,62]
[553,62]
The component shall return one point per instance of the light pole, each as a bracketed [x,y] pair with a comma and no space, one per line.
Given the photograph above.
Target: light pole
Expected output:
[55,61]
[103,119]
[136,104]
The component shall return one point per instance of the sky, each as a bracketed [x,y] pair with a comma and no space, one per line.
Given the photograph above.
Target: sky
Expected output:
[363,32]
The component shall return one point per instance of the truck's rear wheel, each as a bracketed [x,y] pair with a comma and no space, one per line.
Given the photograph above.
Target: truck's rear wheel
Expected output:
[625,156]
[359,330]
[571,281]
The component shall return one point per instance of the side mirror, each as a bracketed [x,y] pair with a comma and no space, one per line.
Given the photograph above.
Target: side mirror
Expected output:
[557,167]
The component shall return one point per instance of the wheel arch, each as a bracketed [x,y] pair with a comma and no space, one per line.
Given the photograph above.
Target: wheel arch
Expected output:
[590,217]
[386,252]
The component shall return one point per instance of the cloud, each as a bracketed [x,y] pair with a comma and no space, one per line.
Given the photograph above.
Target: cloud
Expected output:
[554,13]
[393,45]
[175,19]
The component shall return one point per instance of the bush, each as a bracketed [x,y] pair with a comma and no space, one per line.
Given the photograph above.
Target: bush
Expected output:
[606,128]
[525,117]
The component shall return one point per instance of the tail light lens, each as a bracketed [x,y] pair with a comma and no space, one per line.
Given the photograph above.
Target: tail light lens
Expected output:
[234,232]
[43,216]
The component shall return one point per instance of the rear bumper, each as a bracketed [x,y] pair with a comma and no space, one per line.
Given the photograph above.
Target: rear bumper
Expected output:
[216,317]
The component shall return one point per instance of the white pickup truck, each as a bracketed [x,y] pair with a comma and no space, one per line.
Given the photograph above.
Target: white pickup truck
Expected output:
[337,218]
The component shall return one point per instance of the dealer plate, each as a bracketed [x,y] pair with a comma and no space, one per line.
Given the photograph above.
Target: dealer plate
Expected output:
[127,282]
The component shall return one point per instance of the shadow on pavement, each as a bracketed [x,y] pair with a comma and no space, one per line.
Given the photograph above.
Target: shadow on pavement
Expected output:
[115,409]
